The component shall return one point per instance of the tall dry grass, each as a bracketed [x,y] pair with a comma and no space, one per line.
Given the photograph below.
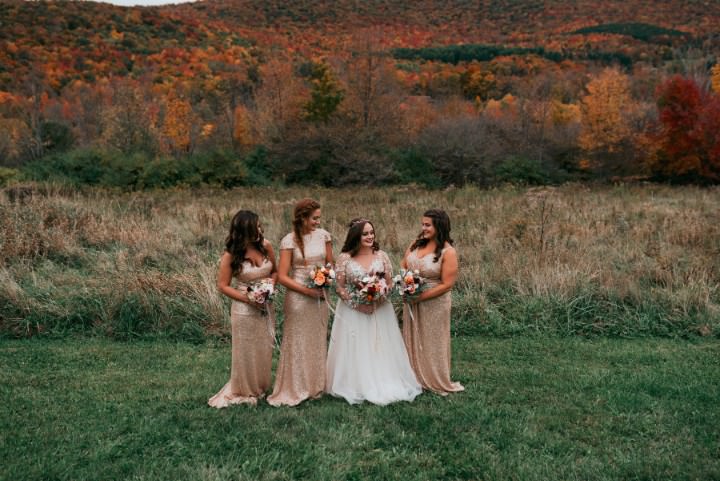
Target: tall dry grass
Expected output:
[624,261]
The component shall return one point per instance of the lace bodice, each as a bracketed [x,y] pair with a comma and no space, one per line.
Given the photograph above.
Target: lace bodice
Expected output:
[430,270]
[349,271]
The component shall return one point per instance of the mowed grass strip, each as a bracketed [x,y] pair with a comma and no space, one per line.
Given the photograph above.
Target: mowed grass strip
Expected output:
[534,409]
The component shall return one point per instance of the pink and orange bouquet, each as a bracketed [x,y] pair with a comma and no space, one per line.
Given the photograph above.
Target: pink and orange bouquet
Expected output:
[321,276]
[369,289]
[261,292]
[409,283]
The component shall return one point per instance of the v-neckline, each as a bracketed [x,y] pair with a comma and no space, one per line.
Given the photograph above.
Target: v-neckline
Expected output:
[418,257]
[366,269]
[250,261]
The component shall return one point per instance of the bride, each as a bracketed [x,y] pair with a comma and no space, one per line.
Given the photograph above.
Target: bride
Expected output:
[367,359]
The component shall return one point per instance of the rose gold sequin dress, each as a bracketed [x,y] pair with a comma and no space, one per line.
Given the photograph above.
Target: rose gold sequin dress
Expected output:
[301,369]
[253,338]
[427,332]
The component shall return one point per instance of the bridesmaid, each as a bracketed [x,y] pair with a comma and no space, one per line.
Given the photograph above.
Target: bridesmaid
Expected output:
[426,319]
[248,257]
[301,369]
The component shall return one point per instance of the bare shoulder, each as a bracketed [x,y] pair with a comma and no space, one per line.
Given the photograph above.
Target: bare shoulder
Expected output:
[449,251]
[226,259]
[384,255]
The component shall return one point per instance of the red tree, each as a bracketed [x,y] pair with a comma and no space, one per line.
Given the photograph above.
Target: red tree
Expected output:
[688,137]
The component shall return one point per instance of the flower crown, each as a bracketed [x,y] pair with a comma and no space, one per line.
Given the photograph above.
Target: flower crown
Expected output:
[358,221]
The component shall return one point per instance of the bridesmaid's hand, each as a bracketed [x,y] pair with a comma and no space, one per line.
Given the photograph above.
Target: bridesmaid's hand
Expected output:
[413,300]
[316,293]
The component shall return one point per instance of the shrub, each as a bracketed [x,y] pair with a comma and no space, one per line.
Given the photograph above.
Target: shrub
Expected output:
[523,170]
[411,167]
[8,175]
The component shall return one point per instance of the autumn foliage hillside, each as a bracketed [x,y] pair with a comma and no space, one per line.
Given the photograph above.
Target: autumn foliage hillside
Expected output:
[240,91]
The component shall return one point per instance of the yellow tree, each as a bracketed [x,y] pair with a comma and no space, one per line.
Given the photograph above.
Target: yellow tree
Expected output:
[604,111]
[242,134]
[607,118]
[177,125]
[715,72]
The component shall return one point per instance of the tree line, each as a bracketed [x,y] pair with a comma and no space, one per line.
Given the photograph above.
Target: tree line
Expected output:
[364,118]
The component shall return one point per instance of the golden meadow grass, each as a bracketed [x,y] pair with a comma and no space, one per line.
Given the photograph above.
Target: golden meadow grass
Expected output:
[625,260]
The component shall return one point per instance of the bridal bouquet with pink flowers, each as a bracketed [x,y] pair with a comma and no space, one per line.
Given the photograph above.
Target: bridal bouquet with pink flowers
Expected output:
[261,292]
[409,283]
[369,289]
[321,276]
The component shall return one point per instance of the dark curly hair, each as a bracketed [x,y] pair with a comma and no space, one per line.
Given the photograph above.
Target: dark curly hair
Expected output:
[441,222]
[354,236]
[244,232]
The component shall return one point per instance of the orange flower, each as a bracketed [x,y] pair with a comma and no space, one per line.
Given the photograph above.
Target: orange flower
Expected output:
[319,279]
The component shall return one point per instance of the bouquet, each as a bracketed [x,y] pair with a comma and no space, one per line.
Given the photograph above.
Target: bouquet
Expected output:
[369,289]
[261,292]
[321,276]
[409,283]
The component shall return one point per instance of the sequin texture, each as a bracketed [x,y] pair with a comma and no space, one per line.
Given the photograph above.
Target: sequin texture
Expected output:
[427,331]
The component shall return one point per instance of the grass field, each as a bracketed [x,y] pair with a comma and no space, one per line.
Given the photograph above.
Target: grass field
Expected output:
[585,321]
[627,261]
[535,409]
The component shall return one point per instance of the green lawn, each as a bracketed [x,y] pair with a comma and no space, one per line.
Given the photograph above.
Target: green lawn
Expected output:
[534,409]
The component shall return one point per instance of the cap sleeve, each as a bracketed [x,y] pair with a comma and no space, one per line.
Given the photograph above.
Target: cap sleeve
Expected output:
[288,242]
[325,236]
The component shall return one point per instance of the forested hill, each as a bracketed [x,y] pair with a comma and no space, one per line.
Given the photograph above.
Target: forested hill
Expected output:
[260,76]
[501,16]
[90,39]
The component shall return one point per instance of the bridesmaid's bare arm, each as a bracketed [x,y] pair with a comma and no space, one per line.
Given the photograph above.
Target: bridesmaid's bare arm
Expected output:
[329,253]
[284,278]
[403,262]
[448,276]
[225,279]
[271,257]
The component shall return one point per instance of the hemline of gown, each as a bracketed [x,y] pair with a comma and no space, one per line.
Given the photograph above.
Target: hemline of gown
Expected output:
[225,398]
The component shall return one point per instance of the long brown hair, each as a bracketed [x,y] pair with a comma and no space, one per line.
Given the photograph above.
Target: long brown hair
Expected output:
[354,236]
[303,209]
[441,223]
[244,232]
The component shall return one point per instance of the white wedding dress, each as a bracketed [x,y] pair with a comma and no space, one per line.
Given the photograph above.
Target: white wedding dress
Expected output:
[367,359]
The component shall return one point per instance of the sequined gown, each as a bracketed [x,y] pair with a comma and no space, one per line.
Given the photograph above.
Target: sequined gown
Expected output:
[301,369]
[427,332]
[253,337]
[367,360]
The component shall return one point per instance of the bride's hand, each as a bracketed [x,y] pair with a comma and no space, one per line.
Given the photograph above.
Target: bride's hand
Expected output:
[365,308]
